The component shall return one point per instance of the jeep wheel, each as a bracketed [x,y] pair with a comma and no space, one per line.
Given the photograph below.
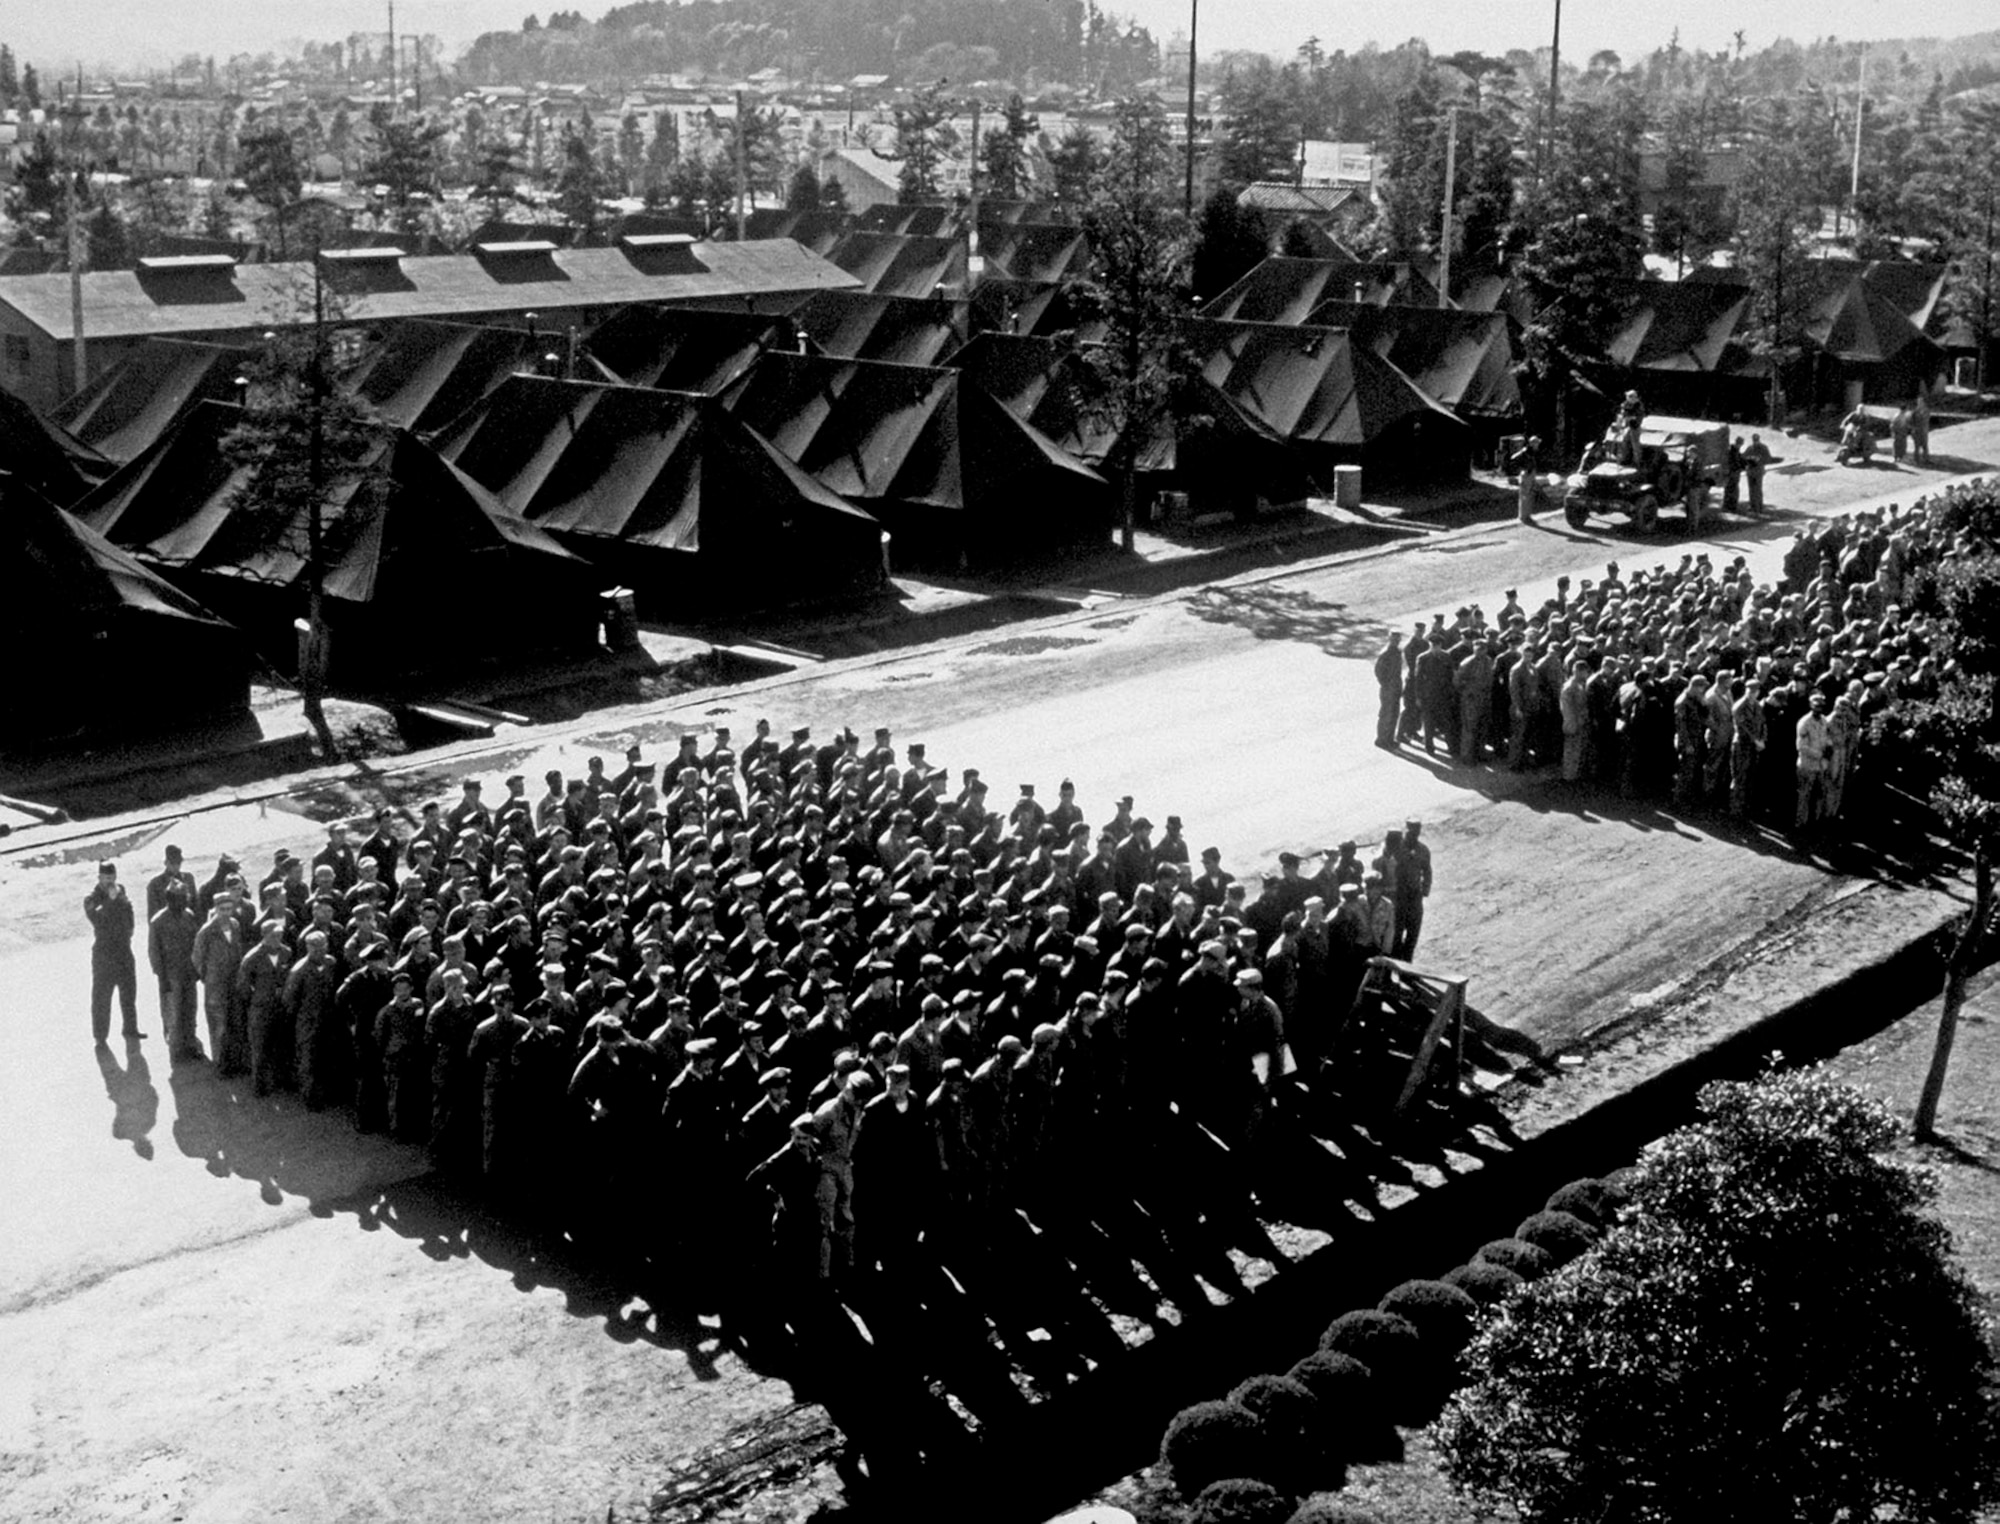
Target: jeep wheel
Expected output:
[1574,513]
[1645,513]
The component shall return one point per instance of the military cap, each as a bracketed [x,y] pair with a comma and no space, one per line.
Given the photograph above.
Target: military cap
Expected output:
[1211,854]
[1011,1045]
[898,1071]
[953,1068]
[1153,967]
[701,1047]
[1288,859]
[880,968]
[743,883]
[1249,976]
[401,975]
[1135,933]
[1142,824]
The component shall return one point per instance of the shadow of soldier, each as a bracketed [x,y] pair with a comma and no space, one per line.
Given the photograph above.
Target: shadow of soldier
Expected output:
[288,1150]
[135,1103]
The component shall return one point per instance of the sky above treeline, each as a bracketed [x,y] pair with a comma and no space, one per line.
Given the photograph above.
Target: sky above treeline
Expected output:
[140,33]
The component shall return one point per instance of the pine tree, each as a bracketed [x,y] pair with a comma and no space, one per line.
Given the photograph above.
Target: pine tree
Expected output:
[1140,250]
[109,240]
[10,78]
[405,163]
[1260,137]
[1003,154]
[268,161]
[631,151]
[1588,238]
[1228,243]
[1775,207]
[924,136]
[304,435]
[579,183]
[1077,166]
[31,87]
[36,197]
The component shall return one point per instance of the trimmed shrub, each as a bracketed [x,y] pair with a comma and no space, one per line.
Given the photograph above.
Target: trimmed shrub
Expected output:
[1443,1315]
[1564,1236]
[1351,1415]
[1302,1446]
[1517,1254]
[1391,1349]
[1592,1200]
[1487,1284]
[1325,1510]
[1210,1442]
[1240,1500]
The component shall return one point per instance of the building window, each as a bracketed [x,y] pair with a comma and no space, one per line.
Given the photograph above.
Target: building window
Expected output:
[18,354]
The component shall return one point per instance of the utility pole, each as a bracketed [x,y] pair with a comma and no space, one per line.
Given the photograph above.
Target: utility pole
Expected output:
[742,172]
[395,99]
[1986,288]
[1450,190]
[1545,145]
[78,246]
[312,666]
[1860,110]
[975,264]
[1187,199]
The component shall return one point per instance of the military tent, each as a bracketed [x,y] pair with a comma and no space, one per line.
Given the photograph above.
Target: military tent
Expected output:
[1335,401]
[923,219]
[126,409]
[817,231]
[1034,310]
[669,494]
[896,264]
[682,349]
[1220,454]
[106,648]
[426,573]
[1038,253]
[1858,336]
[44,455]
[420,375]
[1460,360]
[958,478]
[1284,290]
[1679,345]
[899,330]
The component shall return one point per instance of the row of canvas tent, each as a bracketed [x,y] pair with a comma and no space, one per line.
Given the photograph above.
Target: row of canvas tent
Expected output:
[703,459]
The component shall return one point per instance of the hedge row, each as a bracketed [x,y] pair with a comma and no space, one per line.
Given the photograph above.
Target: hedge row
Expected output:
[1246,1458]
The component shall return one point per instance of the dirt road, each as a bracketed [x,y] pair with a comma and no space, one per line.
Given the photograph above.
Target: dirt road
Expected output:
[216,1309]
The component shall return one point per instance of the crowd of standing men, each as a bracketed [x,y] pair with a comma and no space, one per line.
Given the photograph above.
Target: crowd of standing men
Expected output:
[1691,681]
[804,1005]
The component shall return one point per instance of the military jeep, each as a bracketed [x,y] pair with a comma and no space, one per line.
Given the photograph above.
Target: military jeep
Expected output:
[1681,460]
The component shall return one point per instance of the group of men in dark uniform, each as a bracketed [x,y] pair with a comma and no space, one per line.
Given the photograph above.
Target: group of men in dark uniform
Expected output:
[1691,681]
[797,1009]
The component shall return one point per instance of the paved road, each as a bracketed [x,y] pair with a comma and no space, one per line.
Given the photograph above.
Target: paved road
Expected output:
[216,1309]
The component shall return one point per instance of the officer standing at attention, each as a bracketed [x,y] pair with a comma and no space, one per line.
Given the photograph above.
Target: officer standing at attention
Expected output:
[112,923]
[1389,684]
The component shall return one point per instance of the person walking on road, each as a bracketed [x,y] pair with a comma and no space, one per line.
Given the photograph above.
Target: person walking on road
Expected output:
[112,923]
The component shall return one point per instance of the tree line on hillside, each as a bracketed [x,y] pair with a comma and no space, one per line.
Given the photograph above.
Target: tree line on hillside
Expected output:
[1068,41]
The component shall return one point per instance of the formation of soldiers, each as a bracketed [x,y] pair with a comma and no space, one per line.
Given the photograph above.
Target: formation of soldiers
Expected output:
[779,1015]
[1692,681]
